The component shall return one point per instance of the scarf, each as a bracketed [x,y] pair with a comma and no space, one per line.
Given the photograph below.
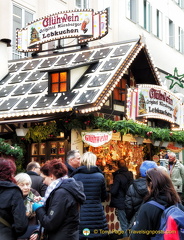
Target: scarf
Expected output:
[52,186]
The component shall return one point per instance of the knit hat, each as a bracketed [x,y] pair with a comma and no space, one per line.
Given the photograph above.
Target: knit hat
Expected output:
[145,166]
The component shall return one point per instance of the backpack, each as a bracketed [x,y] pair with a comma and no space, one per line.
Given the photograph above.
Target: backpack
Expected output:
[172,223]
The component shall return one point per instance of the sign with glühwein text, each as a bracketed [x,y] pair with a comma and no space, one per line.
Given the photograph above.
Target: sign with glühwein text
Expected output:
[156,102]
[82,24]
[96,138]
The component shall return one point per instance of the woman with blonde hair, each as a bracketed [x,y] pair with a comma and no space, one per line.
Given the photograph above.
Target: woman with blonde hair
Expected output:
[88,160]
[92,215]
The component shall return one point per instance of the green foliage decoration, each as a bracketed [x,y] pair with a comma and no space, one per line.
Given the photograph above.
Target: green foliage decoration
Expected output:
[41,132]
[9,150]
[124,127]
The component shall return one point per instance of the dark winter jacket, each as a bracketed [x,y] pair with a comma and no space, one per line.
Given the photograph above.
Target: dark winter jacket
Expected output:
[135,196]
[60,216]
[12,209]
[122,179]
[70,169]
[37,183]
[33,225]
[92,213]
[148,219]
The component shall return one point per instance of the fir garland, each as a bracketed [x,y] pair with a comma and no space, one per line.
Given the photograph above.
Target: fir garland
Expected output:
[42,132]
[124,127]
[14,151]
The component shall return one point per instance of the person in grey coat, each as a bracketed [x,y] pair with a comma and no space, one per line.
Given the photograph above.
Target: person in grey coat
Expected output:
[176,171]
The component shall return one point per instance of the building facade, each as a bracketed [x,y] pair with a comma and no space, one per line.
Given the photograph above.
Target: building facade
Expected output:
[160,23]
[160,26]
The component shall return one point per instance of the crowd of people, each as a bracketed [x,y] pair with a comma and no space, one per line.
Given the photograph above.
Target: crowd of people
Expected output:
[64,200]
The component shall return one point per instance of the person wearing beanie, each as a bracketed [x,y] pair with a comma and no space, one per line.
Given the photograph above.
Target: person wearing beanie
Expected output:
[145,166]
[137,190]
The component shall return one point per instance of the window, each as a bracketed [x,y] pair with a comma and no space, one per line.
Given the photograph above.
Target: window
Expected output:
[40,152]
[180,41]
[82,4]
[119,91]
[20,18]
[158,24]
[169,32]
[58,82]
[180,3]
[147,16]
[170,37]
[132,10]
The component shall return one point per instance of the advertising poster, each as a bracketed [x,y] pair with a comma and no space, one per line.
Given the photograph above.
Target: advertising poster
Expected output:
[84,25]
[156,102]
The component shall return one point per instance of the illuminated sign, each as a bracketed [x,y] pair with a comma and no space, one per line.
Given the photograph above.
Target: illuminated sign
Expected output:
[155,102]
[96,139]
[82,24]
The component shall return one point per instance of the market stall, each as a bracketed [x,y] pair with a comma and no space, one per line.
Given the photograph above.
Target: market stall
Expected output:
[110,153]
[109,149]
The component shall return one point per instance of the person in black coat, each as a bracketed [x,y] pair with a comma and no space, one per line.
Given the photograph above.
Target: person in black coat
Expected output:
[137,190]
[33,170]
[12,209]
[161,190]
[122,179]
[59,216]
[93,223]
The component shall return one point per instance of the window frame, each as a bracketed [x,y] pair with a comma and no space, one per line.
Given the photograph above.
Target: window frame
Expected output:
[84,4]
[59,82]
[131,12]
[159,24]
[171,33]
[24,10]
[180,42]
[121,91]
[41,155]
[180,3]
[147,15]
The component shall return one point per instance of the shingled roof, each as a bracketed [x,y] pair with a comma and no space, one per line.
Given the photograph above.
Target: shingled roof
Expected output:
[24,91]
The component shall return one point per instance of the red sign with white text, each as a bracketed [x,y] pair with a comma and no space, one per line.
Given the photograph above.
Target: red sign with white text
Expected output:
[96,139]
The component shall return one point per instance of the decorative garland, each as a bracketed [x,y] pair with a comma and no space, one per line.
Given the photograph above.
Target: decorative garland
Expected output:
[141,130]
[124,127]
[42,132]
[14,151]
